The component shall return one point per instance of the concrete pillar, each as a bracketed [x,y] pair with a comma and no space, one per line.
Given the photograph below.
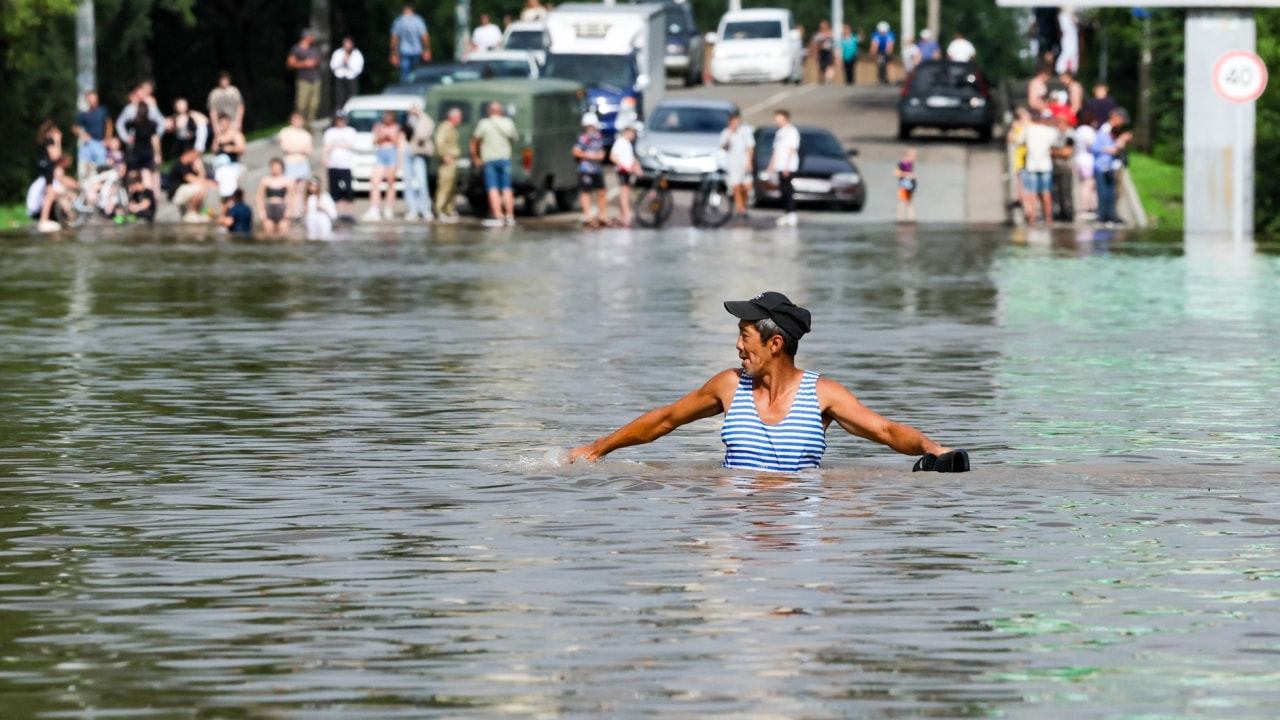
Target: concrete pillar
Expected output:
[462,31]
[324,43]
[934,18]
[907,26]
[1218,136]
[86,53]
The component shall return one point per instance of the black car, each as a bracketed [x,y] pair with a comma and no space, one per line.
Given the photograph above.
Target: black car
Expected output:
[424,76]
[684,44]
[826,173]
[946,95]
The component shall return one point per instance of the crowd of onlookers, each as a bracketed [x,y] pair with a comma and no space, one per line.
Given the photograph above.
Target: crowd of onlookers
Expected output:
[1068,150]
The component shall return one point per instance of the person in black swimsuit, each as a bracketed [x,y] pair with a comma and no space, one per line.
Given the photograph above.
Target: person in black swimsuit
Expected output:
[229,141]
[189,128]
[274,196]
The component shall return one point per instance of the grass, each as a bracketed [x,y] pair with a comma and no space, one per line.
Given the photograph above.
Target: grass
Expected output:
[1160,185]
[262,133]
[13,216]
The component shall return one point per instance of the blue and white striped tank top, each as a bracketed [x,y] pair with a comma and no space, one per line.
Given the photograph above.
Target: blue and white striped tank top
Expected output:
[795,444]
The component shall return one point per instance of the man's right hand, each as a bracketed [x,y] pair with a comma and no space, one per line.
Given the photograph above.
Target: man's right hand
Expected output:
[584,452]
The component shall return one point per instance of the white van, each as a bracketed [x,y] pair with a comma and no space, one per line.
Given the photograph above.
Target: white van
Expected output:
[758,45]
[365,111]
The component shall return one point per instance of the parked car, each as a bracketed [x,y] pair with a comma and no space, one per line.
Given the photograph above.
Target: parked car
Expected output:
[758,45]
[363,112]
[424,76]
[826,174]
[529,37]
[505,63]
[683,136]
[685,44]
[547,114]
[946,95]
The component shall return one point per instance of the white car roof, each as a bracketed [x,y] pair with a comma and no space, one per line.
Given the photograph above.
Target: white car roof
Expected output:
[383,102]
[756,14]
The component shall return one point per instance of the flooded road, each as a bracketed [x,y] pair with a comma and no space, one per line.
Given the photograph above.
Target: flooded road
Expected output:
[321,480]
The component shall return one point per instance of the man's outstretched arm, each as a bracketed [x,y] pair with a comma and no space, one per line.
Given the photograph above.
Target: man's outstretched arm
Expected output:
[704,402]
[841,405]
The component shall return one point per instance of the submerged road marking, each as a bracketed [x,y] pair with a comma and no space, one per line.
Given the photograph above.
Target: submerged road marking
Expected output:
[776,98]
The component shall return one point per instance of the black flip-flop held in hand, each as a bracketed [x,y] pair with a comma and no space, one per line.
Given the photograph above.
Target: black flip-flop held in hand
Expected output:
[948,462]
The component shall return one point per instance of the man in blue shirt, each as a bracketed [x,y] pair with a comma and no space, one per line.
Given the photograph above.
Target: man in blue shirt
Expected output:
[849,55]
[237,217]
[410,44]
[1108,145]
[929,48]
[882,43]
[93,126]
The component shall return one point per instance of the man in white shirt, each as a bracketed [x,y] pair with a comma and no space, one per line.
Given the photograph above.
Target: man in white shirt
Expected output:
[785,161]
[1037,176]
[347,63]
[961,50]
[339,140]
[486,36]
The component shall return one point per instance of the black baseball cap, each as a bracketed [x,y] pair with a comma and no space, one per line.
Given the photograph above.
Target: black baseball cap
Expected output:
[793,319]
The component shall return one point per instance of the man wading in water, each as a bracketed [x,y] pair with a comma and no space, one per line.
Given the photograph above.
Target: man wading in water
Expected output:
[776,415]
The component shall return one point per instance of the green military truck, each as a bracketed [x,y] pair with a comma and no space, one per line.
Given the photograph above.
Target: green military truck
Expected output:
[547,114]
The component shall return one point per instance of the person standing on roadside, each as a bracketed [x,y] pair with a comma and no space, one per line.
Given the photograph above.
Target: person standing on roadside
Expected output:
[961,50]
[849,55]
[388,144]
[225,101]
[410,43]
[1039,138]
[189,128]
[784,163]
[448,150]
[296,145]
[486,36]
[93,127]
[823,45]
[346,63]
[338,155]
[491,146]
[623,157]
[1108,146]
[738,142]
[882,43]
[420,147]
[304,61]
[589,152]
[929,48]
[911,55]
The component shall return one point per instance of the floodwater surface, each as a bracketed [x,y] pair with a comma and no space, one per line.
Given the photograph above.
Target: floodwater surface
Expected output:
[324,480]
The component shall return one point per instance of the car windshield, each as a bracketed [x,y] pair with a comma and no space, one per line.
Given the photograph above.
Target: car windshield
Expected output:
[688,120]
[593,70]
[944,75]
[525,40]
[674,17]
[433,75]
[753,30]
[822,144]
[505,68]
[817,144]
[364,120]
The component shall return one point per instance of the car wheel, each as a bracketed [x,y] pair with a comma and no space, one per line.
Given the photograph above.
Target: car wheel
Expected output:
[904,131]
[566,200]
[537,203]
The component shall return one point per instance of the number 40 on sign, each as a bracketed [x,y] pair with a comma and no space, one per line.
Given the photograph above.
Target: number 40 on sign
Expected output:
[1240,77]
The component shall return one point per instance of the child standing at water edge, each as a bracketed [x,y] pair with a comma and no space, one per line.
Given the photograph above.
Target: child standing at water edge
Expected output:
[906,174]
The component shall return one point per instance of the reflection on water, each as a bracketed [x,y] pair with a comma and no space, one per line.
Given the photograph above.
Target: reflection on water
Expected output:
[320,480]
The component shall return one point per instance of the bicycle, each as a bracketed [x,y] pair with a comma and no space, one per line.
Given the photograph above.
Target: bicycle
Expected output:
[96,192]
[652,208]
[713,200]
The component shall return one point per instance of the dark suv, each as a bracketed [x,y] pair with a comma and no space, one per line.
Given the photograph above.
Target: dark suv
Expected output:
[684,44]
[946,95]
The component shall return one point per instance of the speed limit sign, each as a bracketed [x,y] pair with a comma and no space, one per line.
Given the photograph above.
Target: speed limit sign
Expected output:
[1240,77]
